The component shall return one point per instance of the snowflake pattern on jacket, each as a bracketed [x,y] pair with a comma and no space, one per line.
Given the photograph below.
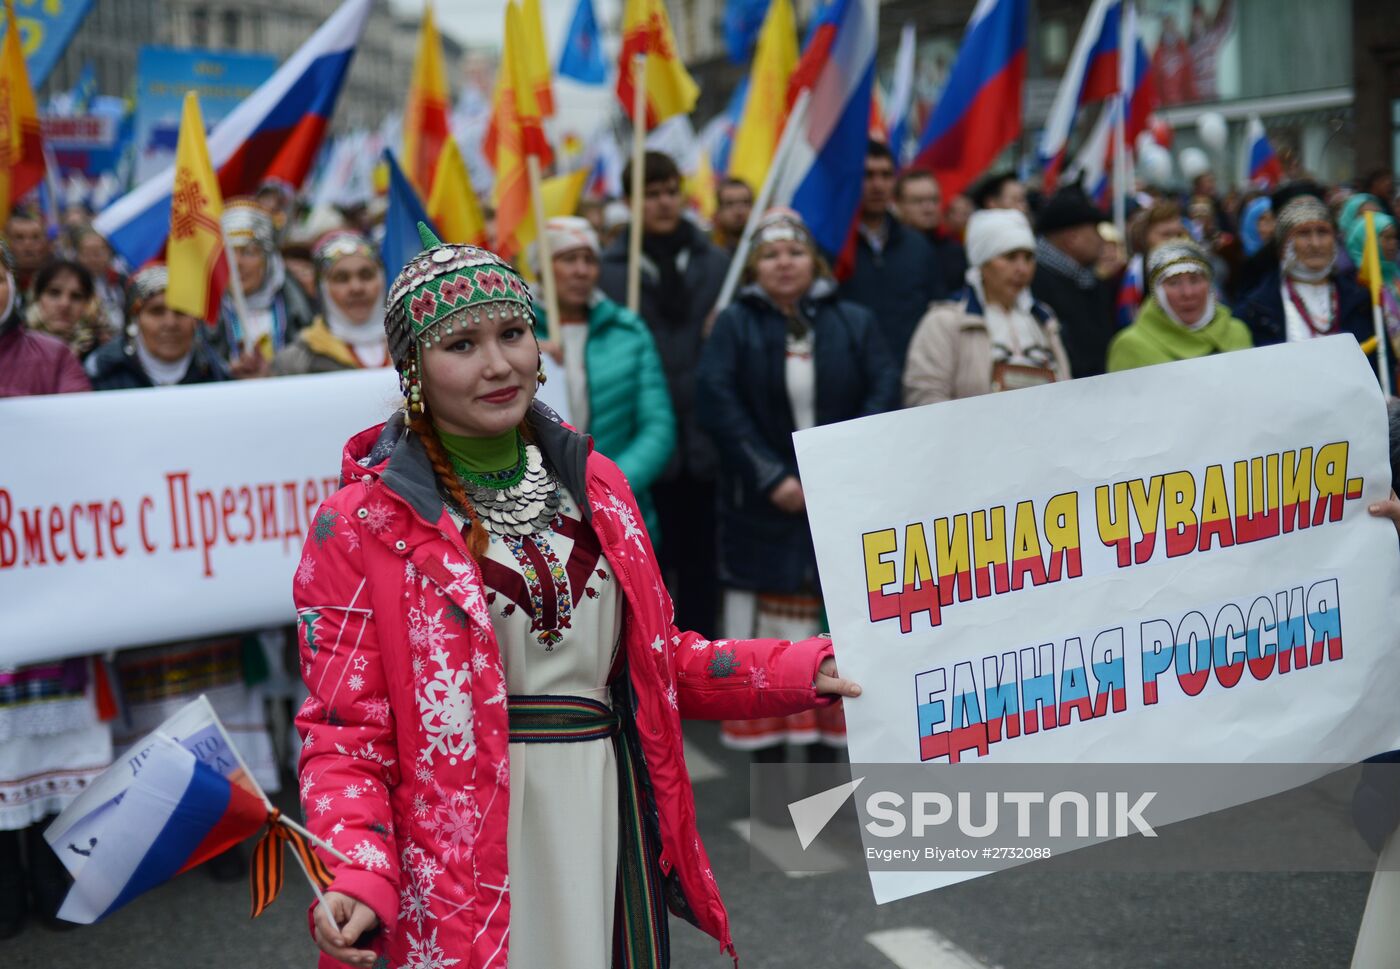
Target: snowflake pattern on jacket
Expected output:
[405,766]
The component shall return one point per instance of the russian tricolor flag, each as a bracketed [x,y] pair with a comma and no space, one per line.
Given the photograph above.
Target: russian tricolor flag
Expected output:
[1094,163]
[1137,80]
[177,813]
[979,111]
[1092,75]
[1264,168]
[823,175]
[274,135]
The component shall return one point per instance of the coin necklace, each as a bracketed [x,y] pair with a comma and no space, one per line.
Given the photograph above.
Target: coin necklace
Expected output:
[521,500]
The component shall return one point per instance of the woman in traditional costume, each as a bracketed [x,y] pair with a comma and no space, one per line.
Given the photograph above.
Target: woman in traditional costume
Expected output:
[493,733]
[349,333]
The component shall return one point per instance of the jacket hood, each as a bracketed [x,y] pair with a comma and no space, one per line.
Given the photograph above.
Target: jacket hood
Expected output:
[822,290]
[398,458]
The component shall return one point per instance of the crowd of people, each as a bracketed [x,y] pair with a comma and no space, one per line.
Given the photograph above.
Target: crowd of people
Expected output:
[935,299]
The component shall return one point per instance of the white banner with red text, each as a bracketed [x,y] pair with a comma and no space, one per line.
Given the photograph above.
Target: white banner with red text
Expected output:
[145,516]
[1169,565]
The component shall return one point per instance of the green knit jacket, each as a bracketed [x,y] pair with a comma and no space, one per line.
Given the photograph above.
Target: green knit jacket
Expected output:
[629,408]
[1155,338]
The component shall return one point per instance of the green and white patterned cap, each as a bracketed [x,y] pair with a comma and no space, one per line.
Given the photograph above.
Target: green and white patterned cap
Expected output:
[448,285]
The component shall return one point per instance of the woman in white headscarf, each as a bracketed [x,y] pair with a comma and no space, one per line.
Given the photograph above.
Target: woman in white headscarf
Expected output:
[349,334]
[276,308]
[994,335]
[1306,297]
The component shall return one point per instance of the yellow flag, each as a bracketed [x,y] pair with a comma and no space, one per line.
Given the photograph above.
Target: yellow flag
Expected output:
[700,185]
[21,142]
[1370,271]
[765,107]
[537,55]
[670,90]
[195,253]
[453,205]
[560,195]
[529,113]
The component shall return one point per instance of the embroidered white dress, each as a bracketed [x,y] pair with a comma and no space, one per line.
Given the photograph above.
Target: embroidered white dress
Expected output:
[557,613]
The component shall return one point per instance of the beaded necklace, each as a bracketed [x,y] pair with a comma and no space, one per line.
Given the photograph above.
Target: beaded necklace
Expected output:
[499,480]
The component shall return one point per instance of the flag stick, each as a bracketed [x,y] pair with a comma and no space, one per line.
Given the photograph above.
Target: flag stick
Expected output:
[551,295]
[1120,168]
[240,309]
[796,118]
[1382,352]
[267,802]
[283,819]
[639,143]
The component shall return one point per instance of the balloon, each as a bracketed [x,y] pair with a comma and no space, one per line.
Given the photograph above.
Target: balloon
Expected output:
[1144,139]
[1213,130]
[1193,162]
[1161,130]
[1155,165]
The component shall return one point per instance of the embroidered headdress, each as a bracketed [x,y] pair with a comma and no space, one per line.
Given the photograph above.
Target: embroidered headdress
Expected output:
[149,282]
[245,221]
[441,288]
[339,243]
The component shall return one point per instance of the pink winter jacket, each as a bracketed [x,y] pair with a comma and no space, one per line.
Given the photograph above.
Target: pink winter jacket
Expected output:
[405,767]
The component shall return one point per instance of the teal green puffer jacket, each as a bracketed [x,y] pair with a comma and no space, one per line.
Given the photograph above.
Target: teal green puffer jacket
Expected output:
[629,408]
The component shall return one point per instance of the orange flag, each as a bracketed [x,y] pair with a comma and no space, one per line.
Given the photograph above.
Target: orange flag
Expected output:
[670,89]
[21,142]
[511,193]
[425,125]
[195,253]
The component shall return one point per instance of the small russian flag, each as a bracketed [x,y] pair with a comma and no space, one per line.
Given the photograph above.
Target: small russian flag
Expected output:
[175,803]
[176,813]
[1263,166]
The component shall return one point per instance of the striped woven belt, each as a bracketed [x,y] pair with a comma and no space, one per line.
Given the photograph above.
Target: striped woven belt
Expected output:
[641,936]
[560,720]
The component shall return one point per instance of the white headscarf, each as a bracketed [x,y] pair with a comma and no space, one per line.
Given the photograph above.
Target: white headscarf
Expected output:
[367,335]
[1296,270]
[163,373]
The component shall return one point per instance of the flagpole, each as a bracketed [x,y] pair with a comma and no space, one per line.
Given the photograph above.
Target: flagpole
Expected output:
[240,304]
[551,294]
[1375,283]
[639,140]
[1382,352]
[1120,167]
[796,118]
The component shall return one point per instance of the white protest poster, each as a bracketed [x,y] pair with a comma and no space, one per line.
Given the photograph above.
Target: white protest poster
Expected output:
[143,516]
[1169,565]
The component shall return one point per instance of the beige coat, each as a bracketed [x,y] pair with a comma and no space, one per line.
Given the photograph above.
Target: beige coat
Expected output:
[950,356]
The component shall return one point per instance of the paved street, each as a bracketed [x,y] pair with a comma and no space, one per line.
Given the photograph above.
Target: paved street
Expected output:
[1014,920]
